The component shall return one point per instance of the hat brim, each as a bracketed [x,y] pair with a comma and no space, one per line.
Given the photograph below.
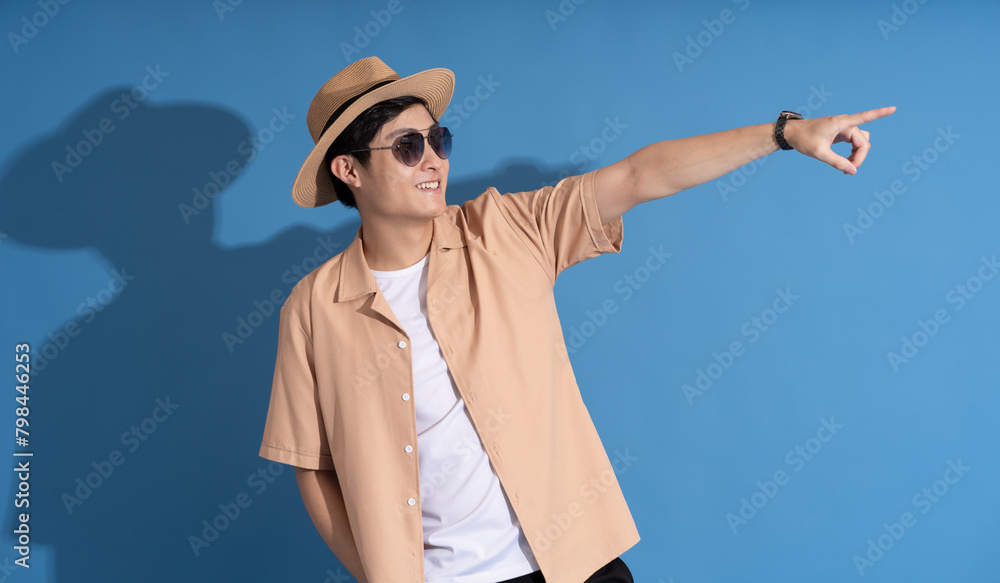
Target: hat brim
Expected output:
[313,186]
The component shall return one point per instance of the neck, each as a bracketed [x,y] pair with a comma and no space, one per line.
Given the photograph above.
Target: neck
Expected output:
[389,247]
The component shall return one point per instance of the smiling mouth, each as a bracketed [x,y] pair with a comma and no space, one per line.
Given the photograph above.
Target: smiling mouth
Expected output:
[429,185]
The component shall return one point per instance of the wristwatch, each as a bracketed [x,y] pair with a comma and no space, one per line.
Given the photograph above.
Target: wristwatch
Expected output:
[779,128]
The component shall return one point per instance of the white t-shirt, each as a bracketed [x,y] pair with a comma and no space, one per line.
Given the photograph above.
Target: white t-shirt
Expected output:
[471,534]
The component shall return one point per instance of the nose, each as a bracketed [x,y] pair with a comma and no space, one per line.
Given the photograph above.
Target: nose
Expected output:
[430,158]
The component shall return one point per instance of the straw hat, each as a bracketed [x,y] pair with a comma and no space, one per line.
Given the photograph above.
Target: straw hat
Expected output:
[344,97]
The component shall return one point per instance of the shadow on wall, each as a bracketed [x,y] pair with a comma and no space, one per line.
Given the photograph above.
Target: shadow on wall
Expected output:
[147,408]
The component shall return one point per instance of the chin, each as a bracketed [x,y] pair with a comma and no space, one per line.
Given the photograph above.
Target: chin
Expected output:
[440,202]
[440,209]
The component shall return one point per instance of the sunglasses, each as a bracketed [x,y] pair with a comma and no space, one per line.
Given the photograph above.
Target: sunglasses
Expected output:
[411,145]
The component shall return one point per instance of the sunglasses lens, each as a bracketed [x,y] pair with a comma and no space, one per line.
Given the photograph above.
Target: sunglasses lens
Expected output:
[440,139]
[411,148]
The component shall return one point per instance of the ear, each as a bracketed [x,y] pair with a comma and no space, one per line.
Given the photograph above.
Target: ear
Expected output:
[345,168]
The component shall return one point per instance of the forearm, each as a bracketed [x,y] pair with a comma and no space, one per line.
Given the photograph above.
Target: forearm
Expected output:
[670,166]
[324,501]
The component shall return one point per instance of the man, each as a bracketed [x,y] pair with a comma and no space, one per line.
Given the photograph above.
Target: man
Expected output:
[422,387]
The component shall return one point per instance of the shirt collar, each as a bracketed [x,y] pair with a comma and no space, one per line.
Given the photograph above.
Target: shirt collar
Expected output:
[356,278]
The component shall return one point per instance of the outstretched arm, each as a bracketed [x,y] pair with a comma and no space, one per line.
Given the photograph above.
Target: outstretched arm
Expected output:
[668,167]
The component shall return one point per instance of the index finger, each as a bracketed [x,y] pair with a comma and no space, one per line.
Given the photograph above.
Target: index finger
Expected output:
[872,114]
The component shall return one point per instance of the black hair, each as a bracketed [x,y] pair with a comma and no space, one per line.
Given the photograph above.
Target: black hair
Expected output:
[359,134]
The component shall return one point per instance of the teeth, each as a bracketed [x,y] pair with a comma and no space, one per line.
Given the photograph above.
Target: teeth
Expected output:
[428,185]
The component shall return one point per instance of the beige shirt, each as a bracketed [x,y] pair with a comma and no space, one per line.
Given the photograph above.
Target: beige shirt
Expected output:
[342,396]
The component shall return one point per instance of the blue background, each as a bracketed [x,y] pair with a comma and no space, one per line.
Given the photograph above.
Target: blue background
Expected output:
[557,78]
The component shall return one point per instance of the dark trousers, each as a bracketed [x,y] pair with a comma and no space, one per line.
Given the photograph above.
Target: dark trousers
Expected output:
[613,572]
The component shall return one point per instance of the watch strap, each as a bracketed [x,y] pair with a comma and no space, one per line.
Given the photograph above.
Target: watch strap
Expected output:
[779,128]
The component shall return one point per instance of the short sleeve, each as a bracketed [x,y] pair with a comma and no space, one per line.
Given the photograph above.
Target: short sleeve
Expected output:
[561,224]
[294,432]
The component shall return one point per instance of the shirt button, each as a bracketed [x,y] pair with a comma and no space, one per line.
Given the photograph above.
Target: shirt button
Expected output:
[408,449]
[401,344]
[406,396]
[411,501]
